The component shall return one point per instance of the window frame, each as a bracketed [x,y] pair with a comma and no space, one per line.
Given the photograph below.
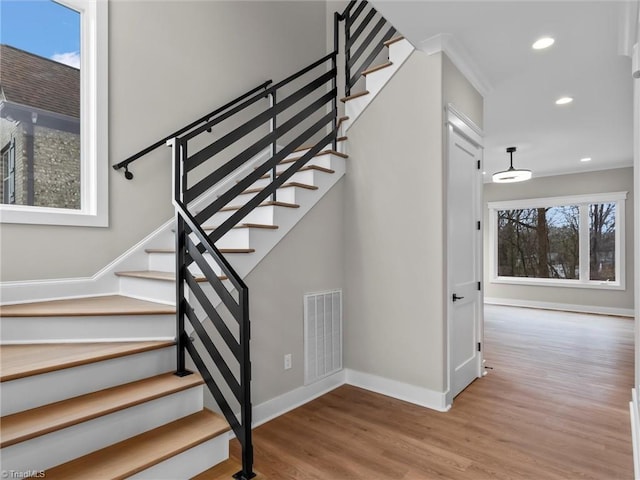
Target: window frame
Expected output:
[94,157]
[582,201]
[10,151]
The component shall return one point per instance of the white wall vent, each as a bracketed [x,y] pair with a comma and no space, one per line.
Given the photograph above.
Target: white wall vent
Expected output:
[322,334]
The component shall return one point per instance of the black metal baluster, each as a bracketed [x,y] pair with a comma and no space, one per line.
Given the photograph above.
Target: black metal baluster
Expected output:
[273,125]
[334,79]
[180,153]
[245,375]
[347,52]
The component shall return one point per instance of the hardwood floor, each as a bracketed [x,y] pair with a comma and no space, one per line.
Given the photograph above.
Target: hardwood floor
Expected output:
[553,406]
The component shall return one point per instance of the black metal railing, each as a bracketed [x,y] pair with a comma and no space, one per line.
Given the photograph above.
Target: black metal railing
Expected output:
[366,32]
[288,116]
[125,163]
[252,135]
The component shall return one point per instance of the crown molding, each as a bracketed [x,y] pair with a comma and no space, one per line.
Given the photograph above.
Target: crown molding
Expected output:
[445,42]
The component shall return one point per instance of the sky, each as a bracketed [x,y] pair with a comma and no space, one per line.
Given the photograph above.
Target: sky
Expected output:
[42,27]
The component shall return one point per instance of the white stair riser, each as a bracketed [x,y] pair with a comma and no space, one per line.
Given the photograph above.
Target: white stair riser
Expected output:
[189,463]
[162,291]
[353,108]
[321,161]
[37,390]
[162,261]
[264,215]
[282,195]
[112,328]
[400,51]
[63,445]
[166,262]
[376,80]
[306,177]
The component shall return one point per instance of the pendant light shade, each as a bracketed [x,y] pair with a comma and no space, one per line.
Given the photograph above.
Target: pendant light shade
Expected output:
[511,175]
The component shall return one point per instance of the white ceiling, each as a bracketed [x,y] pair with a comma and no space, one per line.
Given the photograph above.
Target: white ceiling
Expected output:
[521,85]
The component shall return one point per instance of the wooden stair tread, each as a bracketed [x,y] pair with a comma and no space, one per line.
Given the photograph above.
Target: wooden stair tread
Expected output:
[264,204]
[221,250]
[56,416]
[354,96]
[304,169]
[19,361]
[211,228]
[160,275]
[376,68]
[224,471]
[286,185]
[393,40]
[88,306]
[342,119]
[324,152]
[138,453]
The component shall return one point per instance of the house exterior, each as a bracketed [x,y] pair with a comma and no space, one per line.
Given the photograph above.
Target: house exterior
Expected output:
[40,134]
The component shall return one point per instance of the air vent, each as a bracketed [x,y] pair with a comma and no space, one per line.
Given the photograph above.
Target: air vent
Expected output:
[322,334]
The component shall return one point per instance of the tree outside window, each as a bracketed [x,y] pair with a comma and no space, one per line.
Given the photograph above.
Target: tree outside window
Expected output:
[570,241]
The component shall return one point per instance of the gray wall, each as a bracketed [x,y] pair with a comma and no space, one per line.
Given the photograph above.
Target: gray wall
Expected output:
[575,184]
[394,230]
[456,89]
[168,63]
[309,259]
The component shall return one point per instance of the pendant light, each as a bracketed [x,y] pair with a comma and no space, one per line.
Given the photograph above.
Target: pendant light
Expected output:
[511,175]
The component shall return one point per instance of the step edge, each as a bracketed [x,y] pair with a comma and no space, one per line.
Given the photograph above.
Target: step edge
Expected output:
[167,391]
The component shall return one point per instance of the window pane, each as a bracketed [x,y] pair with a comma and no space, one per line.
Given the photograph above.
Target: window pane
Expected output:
[40,110]
[602,241]
[539,242]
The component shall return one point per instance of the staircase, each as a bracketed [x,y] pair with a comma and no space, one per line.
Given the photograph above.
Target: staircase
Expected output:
[90,387]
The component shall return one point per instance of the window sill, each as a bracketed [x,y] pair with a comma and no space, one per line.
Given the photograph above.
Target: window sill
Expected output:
[21,214]
[548,282]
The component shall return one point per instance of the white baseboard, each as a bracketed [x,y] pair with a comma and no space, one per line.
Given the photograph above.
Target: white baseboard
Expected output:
[567,307]
[402,391]
[295,398]
[635,431]
[286,402]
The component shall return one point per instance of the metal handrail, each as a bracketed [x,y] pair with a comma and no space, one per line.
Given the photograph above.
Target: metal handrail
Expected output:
[193,243]
[125,163]
[196,247]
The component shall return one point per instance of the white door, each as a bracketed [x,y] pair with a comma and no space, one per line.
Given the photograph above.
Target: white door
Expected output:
[464,260]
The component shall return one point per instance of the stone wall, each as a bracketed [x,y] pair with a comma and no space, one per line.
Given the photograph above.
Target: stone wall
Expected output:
[56,172]
[56,168]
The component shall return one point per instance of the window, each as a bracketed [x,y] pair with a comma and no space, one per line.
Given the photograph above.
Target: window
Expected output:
[575,241]
[54,104]
[8,159]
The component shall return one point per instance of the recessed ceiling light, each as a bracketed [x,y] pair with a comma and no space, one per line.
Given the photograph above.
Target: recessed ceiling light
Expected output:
[585,159]
[564,100]
[541,43]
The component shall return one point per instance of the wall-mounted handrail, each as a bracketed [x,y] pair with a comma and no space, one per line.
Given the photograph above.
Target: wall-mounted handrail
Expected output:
[295,114]
[125,163]
[309,113]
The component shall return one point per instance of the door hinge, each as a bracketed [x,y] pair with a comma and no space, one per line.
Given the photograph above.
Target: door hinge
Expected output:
[478,224]
[479,347]
[479,285]
[478,164]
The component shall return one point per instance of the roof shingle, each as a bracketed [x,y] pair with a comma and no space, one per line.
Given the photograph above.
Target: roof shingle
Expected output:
[38,82]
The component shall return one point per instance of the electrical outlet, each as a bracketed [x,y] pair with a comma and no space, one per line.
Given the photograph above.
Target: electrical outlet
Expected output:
[287,361]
